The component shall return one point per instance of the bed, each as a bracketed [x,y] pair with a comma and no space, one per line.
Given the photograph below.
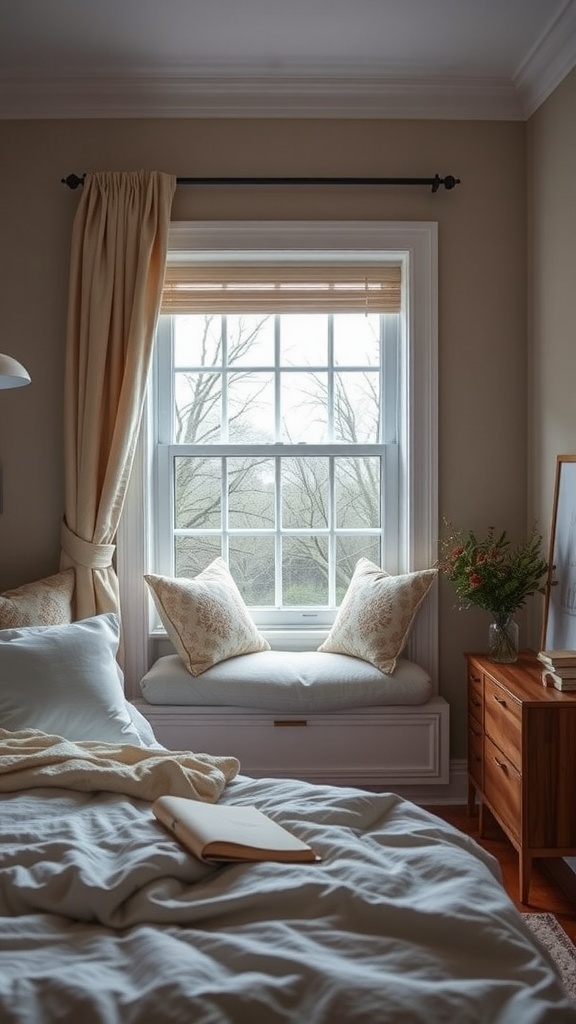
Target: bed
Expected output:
[106,918]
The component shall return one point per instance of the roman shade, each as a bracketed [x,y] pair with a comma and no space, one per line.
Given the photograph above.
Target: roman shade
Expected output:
[314,288]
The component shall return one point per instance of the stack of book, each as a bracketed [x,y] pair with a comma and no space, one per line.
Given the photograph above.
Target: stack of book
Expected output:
[558,669]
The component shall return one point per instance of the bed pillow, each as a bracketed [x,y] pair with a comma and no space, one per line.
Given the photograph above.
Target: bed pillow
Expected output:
[65,680]
[46,602]
[377,613]
[205,617]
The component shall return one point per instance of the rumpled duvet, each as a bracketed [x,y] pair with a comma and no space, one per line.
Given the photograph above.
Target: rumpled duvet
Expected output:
[32,758]
[105,919]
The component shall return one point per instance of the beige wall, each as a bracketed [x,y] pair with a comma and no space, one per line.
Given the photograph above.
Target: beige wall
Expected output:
[482,308]
[551,148]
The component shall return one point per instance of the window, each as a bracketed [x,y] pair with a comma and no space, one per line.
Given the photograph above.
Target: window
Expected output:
[278,403]
[294,413]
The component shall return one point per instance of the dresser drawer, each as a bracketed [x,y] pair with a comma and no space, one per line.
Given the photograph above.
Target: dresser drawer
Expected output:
[475,694]
[475,756]
[502,787]
[503,721]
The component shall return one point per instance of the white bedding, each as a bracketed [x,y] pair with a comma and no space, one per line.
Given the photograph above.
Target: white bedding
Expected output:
[104,918]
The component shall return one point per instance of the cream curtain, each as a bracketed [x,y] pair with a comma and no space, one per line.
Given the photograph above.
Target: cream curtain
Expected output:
[118,260]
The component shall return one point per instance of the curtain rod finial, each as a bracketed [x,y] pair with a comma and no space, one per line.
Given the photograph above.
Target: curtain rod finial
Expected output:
[450,181]
[73,180]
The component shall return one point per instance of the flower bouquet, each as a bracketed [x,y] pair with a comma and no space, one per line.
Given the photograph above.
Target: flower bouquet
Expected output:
[494,575]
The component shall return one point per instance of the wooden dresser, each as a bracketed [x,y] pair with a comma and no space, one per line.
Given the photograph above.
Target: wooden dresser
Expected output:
[522,758]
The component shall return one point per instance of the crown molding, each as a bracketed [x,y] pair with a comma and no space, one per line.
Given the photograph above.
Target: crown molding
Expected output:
[238,95]
[551,59]
[299,92]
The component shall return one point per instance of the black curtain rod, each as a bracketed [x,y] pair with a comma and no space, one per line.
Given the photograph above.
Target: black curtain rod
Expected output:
[449,182]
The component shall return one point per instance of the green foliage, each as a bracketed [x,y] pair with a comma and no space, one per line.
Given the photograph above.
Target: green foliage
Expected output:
[490,573]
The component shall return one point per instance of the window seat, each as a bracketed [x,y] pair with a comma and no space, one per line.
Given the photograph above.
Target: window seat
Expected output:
[315,716]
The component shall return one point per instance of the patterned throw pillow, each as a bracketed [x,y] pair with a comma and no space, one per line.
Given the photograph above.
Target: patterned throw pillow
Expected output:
[377,613]
[205,617]
[46,602]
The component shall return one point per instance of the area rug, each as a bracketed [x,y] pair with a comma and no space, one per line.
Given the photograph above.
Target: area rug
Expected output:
[553,937]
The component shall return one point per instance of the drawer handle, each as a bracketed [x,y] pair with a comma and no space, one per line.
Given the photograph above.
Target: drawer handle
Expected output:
[476,732]
[501,765]
[283,723]
[477,703]
[474,679]
[500,700]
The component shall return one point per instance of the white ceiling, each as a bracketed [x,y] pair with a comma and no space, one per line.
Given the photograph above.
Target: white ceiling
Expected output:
[283,58]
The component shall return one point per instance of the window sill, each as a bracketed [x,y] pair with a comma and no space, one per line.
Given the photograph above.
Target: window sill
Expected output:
[284,638]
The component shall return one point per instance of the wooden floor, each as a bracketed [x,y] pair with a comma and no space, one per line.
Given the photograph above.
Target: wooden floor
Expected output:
[545,895]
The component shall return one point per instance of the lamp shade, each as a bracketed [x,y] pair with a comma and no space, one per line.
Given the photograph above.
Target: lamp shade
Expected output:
[12,373]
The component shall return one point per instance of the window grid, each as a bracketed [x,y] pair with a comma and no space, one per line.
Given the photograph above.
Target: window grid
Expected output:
[169,451]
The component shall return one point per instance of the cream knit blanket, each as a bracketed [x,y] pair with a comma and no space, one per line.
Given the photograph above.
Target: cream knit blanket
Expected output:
[31,758]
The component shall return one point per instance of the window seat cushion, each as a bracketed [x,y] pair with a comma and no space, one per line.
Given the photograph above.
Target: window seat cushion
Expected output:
[286,680]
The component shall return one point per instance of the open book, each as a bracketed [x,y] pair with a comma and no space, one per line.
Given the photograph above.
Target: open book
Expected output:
[220,832]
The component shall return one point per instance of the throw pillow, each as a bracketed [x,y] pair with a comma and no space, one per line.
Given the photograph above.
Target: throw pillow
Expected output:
[205,617]
[46,602]
[377,613]
[65,680]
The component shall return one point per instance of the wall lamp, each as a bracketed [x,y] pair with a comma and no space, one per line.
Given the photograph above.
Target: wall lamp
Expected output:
[12,373]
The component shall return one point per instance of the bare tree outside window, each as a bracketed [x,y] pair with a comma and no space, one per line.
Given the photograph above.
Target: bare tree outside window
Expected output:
[277,450]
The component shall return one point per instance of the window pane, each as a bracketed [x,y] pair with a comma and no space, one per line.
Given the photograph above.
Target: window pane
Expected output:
[251,562]
[192,554]
[304,571]
[304,339]
[356,339]
[251,408]
[278,379]
[357,407]
[348,551]
[251,493]
[304,408]
[197,341]
[197,494]
[357,493]
[250,340]
[197,408]
[305,493]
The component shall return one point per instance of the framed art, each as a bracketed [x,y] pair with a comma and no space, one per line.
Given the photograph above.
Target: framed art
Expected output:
[559,626]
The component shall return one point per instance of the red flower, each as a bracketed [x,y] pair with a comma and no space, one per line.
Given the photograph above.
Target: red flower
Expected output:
[474,579]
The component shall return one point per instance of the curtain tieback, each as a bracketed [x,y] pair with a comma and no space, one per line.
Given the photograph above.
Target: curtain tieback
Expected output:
[84,552]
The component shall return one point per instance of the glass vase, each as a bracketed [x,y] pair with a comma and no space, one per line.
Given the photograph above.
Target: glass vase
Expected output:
[503,640]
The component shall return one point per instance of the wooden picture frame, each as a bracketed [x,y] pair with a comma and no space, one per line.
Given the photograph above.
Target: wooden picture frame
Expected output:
[559,625]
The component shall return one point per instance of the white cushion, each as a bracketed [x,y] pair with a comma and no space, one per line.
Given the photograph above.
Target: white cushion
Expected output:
[286,681]
[205,617]
[377,613]
[65,680]
[45,602]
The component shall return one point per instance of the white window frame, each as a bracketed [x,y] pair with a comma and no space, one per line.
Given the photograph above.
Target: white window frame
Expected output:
[415,245]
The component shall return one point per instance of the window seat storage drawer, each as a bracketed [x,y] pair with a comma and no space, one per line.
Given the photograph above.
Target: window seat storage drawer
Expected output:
[372,746]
